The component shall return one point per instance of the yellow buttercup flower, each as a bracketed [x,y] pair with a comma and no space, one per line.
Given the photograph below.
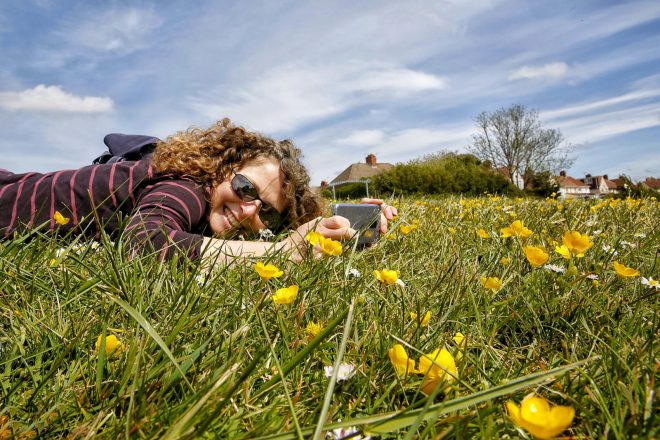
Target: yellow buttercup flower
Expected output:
[313,237]
[285,295]
[492,283]
[407,229]
[459,338]
[386,276]
[504,261]
[60,219]
[482,233]
[539,418]
[425,319]
[112,344]
[451,230]
[563,251]
[516,229]
[577,243]
[330,246]
[400,360]
[313,328]
[267,271]
[624,271]
[438,366]
[536,256]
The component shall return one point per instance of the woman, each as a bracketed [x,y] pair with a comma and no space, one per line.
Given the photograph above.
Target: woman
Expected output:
[198,190]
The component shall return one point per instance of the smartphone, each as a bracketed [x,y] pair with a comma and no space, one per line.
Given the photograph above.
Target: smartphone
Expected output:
[364,218]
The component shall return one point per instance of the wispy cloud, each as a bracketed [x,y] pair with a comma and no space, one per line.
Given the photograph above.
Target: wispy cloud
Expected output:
[599,104]
[286,97]
[362,138]
[552,71]
[600,126]
[91,34]
[44,98]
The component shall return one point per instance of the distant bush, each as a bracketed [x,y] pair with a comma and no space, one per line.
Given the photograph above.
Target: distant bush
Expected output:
[443,173]
[544,184]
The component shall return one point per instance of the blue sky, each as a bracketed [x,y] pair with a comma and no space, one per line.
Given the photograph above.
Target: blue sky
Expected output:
[341,78]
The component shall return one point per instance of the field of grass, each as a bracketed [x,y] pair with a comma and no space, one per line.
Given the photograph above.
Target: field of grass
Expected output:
[211,355]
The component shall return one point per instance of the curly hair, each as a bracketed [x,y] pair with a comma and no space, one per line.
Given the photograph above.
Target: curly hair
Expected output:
[209,155]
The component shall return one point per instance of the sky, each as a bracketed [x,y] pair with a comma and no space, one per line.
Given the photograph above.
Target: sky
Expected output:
[342,79]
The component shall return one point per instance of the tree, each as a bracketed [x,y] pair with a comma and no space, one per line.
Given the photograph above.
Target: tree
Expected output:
[514,138]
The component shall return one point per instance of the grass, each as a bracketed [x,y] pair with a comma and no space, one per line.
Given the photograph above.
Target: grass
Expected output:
[210,355]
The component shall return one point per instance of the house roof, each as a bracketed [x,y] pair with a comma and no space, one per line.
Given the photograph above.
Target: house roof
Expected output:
[597,180]
[611,184]
[568,181]
[652,182]
[359,171]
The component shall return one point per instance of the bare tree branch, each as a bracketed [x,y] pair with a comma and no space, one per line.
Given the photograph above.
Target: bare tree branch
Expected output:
[514,138]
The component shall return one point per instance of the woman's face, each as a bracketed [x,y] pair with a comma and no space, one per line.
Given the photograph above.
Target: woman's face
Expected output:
[229,212]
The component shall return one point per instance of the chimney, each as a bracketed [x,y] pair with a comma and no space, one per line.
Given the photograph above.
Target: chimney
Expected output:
[371,160]
[605,177]
[562,173]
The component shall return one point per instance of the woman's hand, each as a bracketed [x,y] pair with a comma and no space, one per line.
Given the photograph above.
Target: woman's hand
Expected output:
[387,212]
[336,227]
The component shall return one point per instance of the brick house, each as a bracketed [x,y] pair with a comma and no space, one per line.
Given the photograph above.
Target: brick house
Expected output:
[652,182]
[570,187]
[599,185]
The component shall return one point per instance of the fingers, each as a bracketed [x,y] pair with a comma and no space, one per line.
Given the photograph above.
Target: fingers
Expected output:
[336,227]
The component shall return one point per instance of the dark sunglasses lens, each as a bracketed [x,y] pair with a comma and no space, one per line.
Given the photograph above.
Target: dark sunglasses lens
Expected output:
[244,188]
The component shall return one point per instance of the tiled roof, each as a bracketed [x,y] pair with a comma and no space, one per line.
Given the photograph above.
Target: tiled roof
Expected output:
[652,182]
[358,171]
[568,181]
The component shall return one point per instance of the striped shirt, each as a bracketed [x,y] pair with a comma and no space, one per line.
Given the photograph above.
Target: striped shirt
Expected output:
[165,212]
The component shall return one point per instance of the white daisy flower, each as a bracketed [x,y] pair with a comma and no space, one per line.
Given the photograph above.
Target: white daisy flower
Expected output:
[344,372]
[597,232]
[592,276]
[640,235]
[201,279]
[342,433]
[354,273]
[628,244]
[650,282]
[609,249]
[400,283]
[266,234]
[555,268]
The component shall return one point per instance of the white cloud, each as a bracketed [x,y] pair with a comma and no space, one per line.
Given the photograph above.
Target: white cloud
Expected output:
[403,80]
[121,30]
[551,70]
[582,108]
[600,126]
[44,98]
[289,96]
[362,138]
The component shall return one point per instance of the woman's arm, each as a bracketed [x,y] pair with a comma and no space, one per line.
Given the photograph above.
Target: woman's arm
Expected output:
[218,251]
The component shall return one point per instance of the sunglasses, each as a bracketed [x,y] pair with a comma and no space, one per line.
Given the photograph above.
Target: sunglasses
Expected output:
[247,192]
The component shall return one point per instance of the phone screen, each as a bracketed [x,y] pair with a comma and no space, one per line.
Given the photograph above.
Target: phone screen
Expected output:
[364,218]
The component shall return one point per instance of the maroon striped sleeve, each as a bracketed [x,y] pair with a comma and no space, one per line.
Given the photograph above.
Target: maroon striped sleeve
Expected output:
[165,214]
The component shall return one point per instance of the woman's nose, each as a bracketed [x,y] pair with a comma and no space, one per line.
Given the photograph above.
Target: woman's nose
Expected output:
[250,209]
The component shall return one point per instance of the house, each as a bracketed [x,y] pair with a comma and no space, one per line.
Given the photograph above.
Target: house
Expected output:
[571,188]
[599,185]
[652,182]
[360,172]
